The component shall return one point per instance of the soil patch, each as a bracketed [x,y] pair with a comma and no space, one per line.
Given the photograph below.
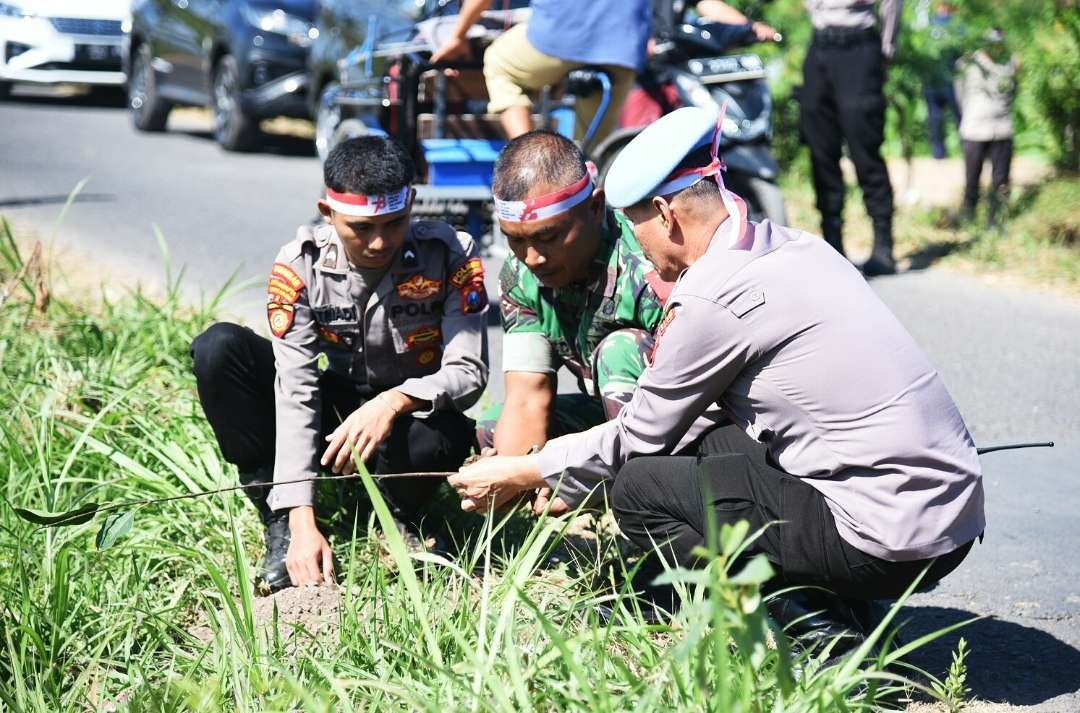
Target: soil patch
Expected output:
[311,612]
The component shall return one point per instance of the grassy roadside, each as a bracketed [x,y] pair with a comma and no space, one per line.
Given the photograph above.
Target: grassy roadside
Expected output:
[156,613]
[1039,245]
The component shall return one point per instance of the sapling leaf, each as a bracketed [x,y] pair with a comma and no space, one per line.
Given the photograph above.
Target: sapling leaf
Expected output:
[79,515]
[756,571]
[116,525]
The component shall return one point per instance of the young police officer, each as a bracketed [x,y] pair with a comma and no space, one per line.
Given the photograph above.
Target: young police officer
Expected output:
[844,435]
[576,292]
[378,345]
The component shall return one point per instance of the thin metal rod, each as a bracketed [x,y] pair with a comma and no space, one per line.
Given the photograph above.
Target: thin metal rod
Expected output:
[187,496]
[1013,446]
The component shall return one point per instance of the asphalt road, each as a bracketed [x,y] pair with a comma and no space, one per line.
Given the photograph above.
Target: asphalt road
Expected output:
[1010,357]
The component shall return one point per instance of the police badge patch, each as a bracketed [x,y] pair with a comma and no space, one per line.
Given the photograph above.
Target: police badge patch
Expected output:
[283,291]
[473,298]
[418,287]
[280,317]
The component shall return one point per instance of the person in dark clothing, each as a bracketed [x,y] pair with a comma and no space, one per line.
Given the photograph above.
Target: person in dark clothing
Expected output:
[842,102]
[938,90]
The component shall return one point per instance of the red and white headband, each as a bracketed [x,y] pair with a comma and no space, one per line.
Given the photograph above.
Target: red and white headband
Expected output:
[551,204]
[686,177]
[364,206]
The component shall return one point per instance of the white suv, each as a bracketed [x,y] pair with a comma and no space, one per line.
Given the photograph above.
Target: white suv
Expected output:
[50,41]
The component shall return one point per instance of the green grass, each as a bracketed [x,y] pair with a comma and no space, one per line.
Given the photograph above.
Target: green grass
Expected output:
[1038,243]
[99,406]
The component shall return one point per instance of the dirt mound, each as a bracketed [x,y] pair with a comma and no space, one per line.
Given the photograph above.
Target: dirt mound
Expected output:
[311,612]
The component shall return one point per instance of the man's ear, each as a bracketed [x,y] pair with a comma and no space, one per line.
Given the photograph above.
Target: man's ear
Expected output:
[597,206]
[325,209]
[667,216]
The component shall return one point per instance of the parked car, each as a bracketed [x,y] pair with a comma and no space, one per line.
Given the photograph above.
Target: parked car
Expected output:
[53,41]
[245,59]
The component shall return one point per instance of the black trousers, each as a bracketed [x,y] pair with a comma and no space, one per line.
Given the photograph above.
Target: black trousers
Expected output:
[234,371]
[975,154]
[841,100]
[938,101]
[669,500]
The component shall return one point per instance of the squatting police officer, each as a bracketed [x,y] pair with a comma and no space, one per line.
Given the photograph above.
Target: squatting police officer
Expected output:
[845,446]
[378,344]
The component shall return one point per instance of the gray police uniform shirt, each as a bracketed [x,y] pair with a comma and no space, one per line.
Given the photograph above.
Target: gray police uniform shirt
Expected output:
[419,330]
[786,336]
[859,14]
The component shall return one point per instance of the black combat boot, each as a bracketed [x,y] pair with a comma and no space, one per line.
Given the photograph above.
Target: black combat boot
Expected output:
[881,258]
[813,619]
[274,576]
[832,227]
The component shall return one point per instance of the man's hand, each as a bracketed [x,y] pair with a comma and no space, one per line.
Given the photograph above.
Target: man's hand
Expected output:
[765,33]
[495,481]
[540,503]
[309,559]
[455,48]
[364,430]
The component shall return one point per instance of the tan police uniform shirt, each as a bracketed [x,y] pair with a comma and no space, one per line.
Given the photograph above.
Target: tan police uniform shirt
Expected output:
[786,336]
[422,332]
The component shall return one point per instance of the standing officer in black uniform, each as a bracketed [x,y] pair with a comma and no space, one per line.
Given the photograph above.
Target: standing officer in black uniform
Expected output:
[378,345]
[842,100]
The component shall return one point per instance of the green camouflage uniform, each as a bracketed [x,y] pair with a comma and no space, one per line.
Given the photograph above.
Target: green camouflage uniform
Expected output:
[599,329]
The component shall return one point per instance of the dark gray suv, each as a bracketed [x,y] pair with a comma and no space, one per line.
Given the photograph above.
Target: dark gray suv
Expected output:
[246,59]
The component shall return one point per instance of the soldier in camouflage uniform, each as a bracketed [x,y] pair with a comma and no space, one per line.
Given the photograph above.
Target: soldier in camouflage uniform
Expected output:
[379,345]
[576,292]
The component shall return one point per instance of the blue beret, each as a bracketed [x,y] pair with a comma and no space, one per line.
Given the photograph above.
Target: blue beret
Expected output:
[655,152]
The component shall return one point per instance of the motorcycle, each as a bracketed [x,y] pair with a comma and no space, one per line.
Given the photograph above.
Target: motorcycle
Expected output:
[688,68]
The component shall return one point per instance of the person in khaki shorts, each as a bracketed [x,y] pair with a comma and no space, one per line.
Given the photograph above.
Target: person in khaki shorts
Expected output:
[560,36]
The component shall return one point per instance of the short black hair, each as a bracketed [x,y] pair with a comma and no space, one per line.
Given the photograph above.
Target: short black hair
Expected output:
[536,157]
[705,188]
[369,165]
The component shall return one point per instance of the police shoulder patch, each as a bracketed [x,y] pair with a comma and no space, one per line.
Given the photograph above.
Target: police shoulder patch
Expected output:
[284,275]
[669,317]
[280,316]
[473,297]
[472,270]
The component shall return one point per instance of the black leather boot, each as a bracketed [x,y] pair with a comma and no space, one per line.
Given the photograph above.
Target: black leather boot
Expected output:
[881,258]
[274,576]
[832,227]
[812,619]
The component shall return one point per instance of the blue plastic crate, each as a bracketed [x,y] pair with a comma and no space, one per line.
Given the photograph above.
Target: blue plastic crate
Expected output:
[461,162]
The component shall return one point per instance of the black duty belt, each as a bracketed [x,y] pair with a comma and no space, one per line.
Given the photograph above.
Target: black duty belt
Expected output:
[845,36]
